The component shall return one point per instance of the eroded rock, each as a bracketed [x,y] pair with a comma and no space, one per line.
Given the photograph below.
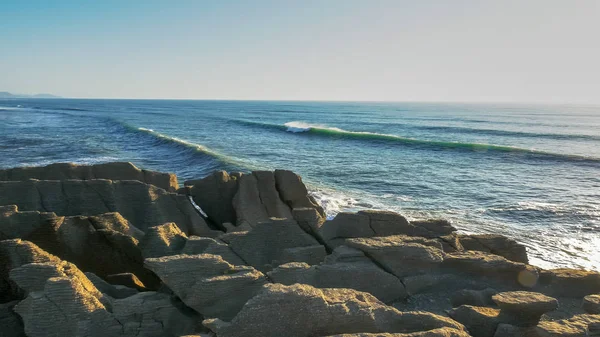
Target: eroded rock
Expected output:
[207,283]
[302,310]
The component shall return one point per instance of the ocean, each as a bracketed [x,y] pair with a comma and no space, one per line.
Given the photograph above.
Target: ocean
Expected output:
[530,172]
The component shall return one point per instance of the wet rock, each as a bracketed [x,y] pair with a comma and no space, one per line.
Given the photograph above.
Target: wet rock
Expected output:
[143,205]
[293,192]
[399,255]
[270,242]
[214,194]
[207,283]
[478,298]
[591,304]
[479,321]
[359,274]
[302,310]
[110,171]
[525,308]
[496,244]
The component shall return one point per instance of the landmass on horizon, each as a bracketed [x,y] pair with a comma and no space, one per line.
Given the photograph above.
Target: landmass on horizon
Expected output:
[6,94]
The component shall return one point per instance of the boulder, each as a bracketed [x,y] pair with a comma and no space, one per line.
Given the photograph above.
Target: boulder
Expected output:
[398,255]
[576,326]
[214,194]
[442,332]
[293,192]
[10,323]
[591,304]
[570,282]
[479,321]
[495,244]
[360,274]
[491,266]
[301,310]
[13,254]
[268,244]
[207,283]
[110,171]
[143,205]
[524,308]
[478,298]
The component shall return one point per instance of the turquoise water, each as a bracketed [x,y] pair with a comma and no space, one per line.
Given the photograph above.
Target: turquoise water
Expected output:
[529,172]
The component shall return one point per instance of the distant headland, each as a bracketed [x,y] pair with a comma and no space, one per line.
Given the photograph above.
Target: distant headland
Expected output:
[5,94]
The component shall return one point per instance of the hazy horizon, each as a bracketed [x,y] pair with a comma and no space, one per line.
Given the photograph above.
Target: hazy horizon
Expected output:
[357,51]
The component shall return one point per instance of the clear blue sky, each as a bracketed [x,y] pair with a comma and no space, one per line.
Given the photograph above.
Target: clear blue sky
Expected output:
[421,50]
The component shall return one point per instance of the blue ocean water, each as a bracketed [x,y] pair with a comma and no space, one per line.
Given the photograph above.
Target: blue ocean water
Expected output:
[530,172]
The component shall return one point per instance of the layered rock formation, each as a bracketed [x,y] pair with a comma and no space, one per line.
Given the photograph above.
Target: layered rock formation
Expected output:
[84,256]
[110,171]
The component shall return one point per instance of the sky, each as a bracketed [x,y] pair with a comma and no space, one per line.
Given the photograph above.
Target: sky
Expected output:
[348,50]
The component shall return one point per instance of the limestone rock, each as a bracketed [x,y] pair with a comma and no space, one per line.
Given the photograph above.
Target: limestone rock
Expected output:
[359,274]
[126,279]
[479,321]
[246,202]
[13,254]
[269,196]
[200,245]
[309,219]
[114,291]
[571,282]
[142,204]
[438,281]
[103,244]
[163,240]
[301,310]
[437,227]
[508,330]
[496,244]
[399,255]
[111,171]
[293,192]
[214,194]
[591,304]
[81,313]
[10,322]
[491,266]
[207,283]
[269,242]
[575,326]
[479,298]
[524,307]
[442,332]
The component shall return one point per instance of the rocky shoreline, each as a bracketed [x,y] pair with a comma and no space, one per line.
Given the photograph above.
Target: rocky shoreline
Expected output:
[112,250]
